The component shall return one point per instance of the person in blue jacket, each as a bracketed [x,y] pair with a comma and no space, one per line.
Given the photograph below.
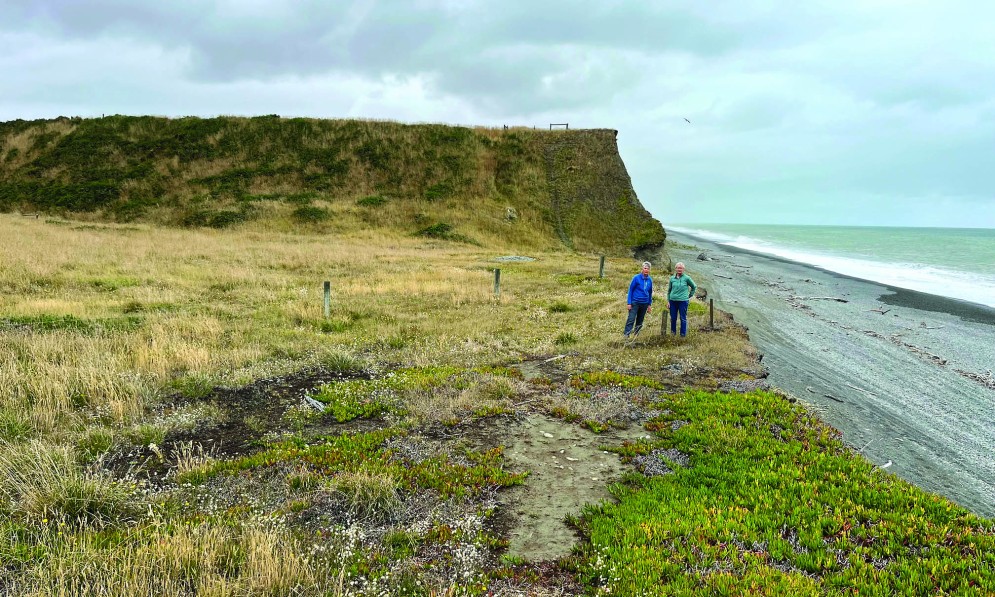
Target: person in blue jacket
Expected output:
[639,301]
[680,291]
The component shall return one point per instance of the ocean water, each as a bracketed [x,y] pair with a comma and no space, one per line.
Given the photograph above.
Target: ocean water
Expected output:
[954,262]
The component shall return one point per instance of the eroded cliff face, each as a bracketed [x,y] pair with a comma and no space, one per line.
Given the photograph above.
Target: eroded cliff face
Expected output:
[593,204]
[472,184]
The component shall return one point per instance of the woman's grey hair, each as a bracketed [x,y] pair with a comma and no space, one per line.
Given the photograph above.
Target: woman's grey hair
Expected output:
[647,264]
[679,264]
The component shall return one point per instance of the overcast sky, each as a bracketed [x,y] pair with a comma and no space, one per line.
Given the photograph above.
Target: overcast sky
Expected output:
[871,112]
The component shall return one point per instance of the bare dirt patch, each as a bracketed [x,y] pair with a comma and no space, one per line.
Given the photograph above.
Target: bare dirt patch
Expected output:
[248,414]
[567,469]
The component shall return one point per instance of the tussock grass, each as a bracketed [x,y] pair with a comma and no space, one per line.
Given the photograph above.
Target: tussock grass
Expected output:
[43,483]
[463,397]
[369,494]
[192,462]
[202,559]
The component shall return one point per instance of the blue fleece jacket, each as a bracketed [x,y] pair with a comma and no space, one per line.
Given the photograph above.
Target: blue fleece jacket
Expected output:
[640,290]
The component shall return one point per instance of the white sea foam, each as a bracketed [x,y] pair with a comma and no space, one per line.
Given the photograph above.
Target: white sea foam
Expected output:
[966,286]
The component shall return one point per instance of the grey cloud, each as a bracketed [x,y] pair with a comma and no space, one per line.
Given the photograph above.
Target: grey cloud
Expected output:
[403,38]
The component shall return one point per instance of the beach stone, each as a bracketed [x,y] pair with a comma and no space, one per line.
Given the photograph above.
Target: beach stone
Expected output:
[651,465]
[744,386]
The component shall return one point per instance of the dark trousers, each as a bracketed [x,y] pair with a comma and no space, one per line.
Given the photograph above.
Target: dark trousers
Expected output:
[681,308]
[636,315]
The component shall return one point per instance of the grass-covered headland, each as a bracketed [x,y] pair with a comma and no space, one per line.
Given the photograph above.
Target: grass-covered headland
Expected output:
[177,417]
[535,189]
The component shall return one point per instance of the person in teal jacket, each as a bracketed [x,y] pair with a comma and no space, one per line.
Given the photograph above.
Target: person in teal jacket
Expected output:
[639,300]
[680,290]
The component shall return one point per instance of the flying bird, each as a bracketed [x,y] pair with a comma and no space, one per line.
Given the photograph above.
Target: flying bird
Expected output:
[687,121]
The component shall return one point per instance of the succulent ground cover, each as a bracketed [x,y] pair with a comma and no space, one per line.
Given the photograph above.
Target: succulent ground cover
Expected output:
[769,500]
[177,417]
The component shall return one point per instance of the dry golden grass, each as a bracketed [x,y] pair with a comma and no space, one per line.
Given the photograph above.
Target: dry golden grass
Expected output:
[447,404]
[151,306]
[99,324]
[209,560]
[44,482]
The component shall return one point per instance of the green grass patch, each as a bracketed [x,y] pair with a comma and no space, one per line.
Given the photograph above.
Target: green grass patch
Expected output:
[96,442]
[439,191]
[444,231]
[53,323]
[560,307]
[340,362]
[437,230]
[333,326]
[45,483]
[366,398]
[112,283]
[350,400]
[193,386]
[776,504]
[146,434]
[152,307]
[309,214]
[500,371]
[611,378]
[566,339]
[372,201]
[14,425]
[363,457]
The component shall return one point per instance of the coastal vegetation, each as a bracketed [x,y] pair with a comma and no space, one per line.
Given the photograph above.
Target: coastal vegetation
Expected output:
[159,432]
[534,189]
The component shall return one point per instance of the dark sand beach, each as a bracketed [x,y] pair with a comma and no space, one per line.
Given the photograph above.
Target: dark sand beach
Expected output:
[905,376]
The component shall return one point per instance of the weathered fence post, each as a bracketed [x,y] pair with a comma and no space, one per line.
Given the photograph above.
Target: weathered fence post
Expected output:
[711,313]
[601,268]
[497,282]
[328,299]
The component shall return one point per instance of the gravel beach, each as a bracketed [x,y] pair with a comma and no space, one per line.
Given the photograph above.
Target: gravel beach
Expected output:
[907,377]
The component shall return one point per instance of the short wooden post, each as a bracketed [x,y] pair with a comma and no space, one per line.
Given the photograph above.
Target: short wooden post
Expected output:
[497,282]
[601,268]
[711,314]
[328,299]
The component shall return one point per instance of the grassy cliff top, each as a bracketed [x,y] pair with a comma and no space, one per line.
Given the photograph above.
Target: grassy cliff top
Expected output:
[516,187]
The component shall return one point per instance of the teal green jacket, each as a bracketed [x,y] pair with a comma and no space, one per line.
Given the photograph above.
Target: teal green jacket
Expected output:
[681,289]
